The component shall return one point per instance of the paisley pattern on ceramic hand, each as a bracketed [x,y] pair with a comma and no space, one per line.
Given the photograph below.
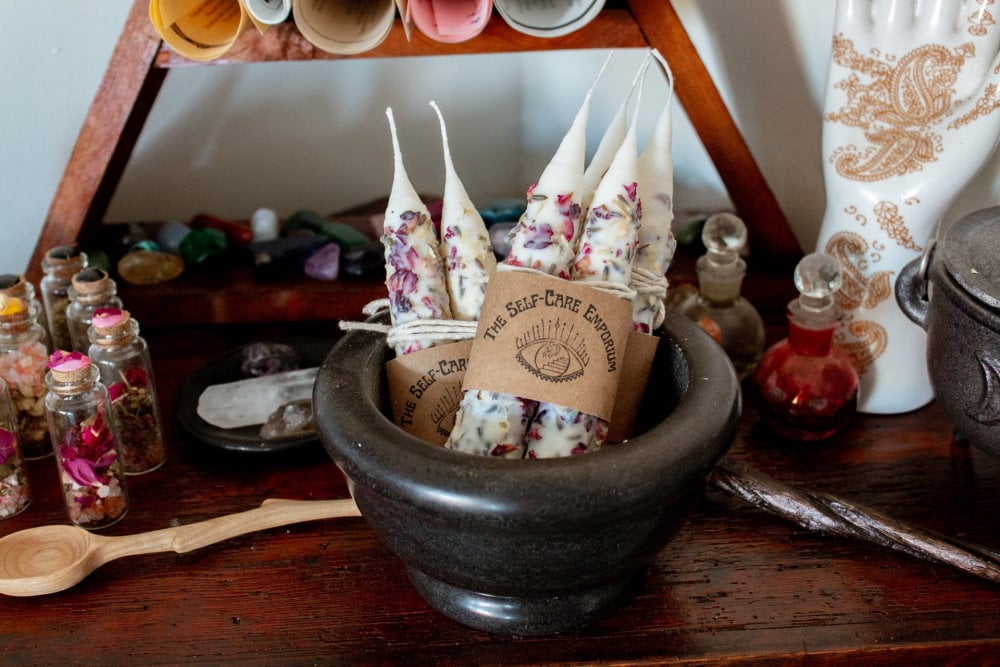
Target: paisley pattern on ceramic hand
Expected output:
[896,110]
[987,409]
[981,20]
[863,341]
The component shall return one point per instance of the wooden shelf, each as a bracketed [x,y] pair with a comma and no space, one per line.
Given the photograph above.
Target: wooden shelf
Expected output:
[139,66]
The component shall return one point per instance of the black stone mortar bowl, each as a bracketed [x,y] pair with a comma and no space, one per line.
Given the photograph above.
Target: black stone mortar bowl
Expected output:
[530,547]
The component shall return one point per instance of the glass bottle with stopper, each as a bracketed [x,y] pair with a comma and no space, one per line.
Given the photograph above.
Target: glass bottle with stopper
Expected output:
[805,388]
[15,285]
[122,356]
[23,356]
[91,289]
[15,491]
[60,264]
[85,441]
[718,307]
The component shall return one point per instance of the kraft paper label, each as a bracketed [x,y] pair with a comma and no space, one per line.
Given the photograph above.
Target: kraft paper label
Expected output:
[638,362]
[550,340]
[425,389]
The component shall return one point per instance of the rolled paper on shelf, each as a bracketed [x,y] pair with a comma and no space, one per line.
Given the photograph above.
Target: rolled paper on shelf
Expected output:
[656,246]
[414,272]
[491,423]
[465,244]
[604,257]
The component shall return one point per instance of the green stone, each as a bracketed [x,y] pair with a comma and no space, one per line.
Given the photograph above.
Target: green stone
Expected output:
[347,237]
[200,246]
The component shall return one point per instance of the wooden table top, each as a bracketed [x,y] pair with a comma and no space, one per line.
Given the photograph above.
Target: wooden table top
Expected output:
[736,586]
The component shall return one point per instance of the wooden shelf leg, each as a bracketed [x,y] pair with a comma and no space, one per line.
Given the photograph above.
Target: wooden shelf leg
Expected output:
[771,238]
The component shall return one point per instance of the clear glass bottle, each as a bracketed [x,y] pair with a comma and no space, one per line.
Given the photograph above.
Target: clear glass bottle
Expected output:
[91,289]
[23,358]
[805,388]
[16,285]
[122,356]
[718,307]
[60,265]
[86,445]
[15,491]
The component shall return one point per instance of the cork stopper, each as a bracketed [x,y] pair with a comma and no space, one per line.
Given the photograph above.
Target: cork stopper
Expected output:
[64,254]
[12,284]
[91,281]
[69,367]
[110,321]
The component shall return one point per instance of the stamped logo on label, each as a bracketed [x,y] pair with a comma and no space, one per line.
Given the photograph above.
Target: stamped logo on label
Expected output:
[550,340]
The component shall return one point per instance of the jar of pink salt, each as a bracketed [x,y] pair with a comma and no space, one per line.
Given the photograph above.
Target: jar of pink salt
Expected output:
[23,359]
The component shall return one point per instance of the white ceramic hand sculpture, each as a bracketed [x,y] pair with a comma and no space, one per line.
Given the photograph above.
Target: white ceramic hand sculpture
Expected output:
[911,114]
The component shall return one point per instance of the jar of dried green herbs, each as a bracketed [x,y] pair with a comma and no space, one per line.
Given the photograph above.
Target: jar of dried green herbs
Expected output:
[122,356]
[91,290]
[60,265]
[86,444]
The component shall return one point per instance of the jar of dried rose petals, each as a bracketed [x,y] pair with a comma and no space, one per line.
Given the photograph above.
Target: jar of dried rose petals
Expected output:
[15,492]
[23,358]
[122,356]
[85,442]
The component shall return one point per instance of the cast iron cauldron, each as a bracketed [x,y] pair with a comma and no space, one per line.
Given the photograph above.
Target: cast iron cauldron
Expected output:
[953,292]
[530,547]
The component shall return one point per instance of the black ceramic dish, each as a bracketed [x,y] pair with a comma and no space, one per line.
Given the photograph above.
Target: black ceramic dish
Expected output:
[226,368]
[530,547]
[953,292]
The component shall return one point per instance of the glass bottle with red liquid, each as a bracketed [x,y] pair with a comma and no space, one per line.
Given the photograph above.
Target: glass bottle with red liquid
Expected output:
[805,388]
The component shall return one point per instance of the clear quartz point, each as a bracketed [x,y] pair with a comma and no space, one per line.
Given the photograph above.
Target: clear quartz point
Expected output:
[252,401]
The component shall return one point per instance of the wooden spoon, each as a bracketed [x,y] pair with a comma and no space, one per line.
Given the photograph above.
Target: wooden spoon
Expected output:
[47,559]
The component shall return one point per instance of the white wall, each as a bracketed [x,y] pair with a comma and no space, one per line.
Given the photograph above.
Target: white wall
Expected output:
[313,135]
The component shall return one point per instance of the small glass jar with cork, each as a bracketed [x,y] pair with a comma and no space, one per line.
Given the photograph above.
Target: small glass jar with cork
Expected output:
[18,286]
[60,265]
[91,289]
[85,441]
[23,358]
[15,492]
[122,356]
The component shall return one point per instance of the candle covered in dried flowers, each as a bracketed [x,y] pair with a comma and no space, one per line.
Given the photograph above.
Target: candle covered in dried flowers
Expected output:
[23,358]
[84,438]
[122,356]
[15,493]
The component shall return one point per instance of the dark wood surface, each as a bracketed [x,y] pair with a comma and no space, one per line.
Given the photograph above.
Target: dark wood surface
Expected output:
[736,586]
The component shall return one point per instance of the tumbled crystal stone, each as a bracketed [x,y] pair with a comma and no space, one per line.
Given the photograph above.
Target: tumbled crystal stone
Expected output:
[201,246]
[149,267]
[365,263]
[291,420]
[170,235]
[324,264]
[284,257]
[257,359]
